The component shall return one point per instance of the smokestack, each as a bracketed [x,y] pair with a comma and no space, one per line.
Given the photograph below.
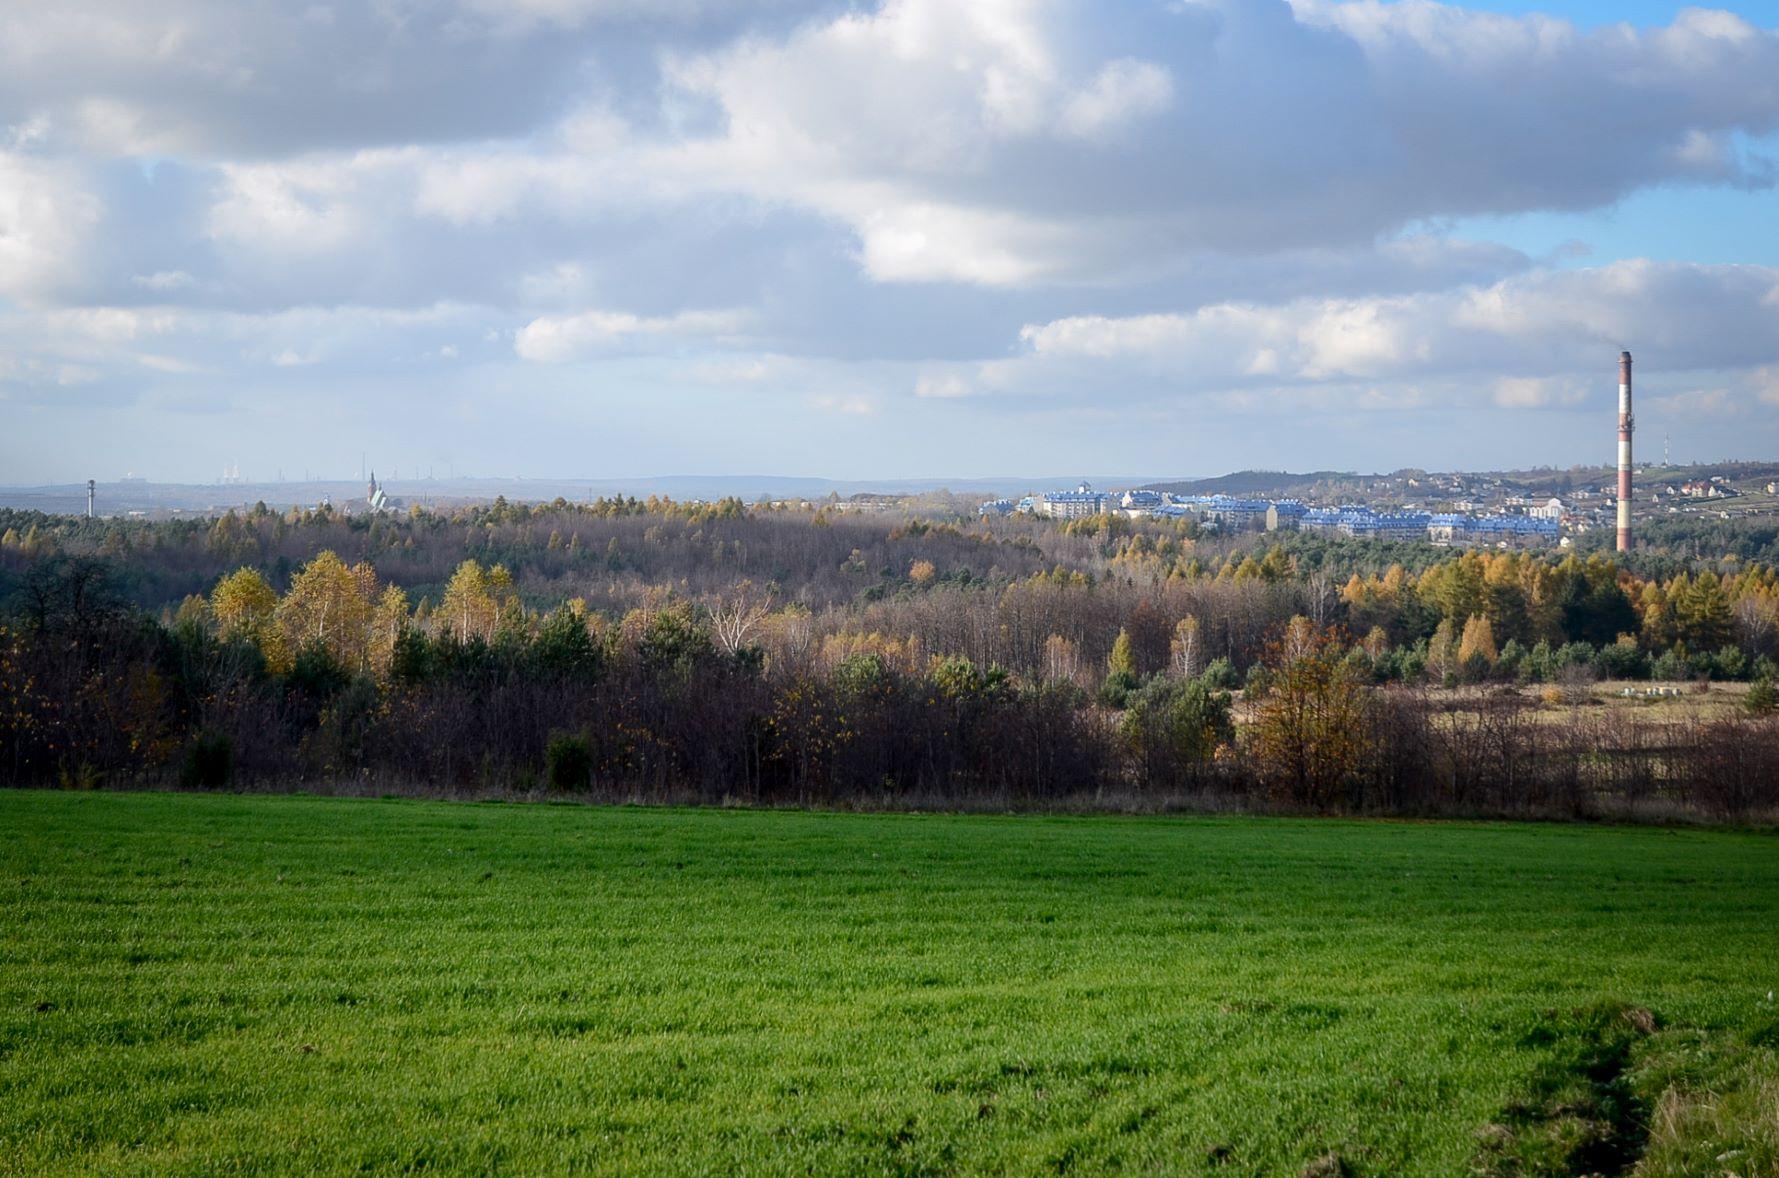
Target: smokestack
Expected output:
[91,488]
[1625,425]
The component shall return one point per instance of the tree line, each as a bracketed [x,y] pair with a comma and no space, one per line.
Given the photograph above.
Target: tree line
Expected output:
[1054,686]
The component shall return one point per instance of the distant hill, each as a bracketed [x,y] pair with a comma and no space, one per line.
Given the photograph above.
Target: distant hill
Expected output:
[1273,483]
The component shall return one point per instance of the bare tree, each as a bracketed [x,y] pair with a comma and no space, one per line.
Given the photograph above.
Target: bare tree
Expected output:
[734,618]
[1757,621]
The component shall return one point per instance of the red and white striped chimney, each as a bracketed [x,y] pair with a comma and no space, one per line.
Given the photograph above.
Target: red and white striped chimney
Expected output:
[1625,425]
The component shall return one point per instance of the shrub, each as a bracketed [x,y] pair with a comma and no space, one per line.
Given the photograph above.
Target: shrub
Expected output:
[1221,675]
[1729,663]
[1622,660]
[1116,691]
[1174,729]
[209,762]
[82,776]
[568,762]
[1762,697]
[1671,666]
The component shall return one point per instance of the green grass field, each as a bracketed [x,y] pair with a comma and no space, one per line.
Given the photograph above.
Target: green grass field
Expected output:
[204,983]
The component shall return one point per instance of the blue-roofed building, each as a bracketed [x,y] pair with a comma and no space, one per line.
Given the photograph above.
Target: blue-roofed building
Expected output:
[998,507]
[1227,510]
[1448,528]
[1512,531]
[1364,523]
[1141,500]
[1077,504]
[1285,514]
[1515,530]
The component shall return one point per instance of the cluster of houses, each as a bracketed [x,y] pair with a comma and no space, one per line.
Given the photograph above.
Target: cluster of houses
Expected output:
[1539,523]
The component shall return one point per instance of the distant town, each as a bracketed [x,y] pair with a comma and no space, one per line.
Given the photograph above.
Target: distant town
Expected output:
[1454,509]
[1501,509]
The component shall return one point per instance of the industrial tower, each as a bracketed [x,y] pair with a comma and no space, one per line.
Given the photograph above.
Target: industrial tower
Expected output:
[1625,426]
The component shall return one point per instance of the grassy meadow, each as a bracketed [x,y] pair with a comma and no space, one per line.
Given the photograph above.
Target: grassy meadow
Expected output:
[208,983]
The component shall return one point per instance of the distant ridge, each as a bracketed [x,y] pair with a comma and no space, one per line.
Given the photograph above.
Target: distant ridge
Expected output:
[1259,482]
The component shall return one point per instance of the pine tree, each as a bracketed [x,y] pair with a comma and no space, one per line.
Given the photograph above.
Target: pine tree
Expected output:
[1706,620]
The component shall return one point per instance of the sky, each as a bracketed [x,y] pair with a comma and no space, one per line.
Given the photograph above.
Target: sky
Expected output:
[895,239]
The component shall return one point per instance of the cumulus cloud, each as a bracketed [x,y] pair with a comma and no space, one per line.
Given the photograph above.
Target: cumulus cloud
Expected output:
[553,339]
[219,79]
[1514,337]
[113,346]
[960,141]
[46,221]
[1244,201]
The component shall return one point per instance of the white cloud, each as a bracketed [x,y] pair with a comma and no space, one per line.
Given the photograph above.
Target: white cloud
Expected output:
[1536,392]
[944,385]
[1124,91]
[164,280]
[305,207]
[1031,143]
[1765,381]
[1515,334]
[1247,202]
[852,404]
[555,339]
[46,221]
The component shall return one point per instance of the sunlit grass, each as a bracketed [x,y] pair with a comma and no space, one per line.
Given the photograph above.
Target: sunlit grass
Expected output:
[209,982]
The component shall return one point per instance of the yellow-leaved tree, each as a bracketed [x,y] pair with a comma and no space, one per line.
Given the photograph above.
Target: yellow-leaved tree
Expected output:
[246,607]
[331,605]
[387,624]
[1477,646]
[469,609]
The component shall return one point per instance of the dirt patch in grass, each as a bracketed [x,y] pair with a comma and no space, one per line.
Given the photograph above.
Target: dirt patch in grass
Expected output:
[1579,1113]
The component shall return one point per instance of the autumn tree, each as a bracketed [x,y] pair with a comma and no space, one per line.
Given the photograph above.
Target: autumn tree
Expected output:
[1062,660]
[1442,651]
[245,607]
[330,606]
[1186,654]
[469,609]
[387,624]
[1476,649]
[1122,662]
[1308,736]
